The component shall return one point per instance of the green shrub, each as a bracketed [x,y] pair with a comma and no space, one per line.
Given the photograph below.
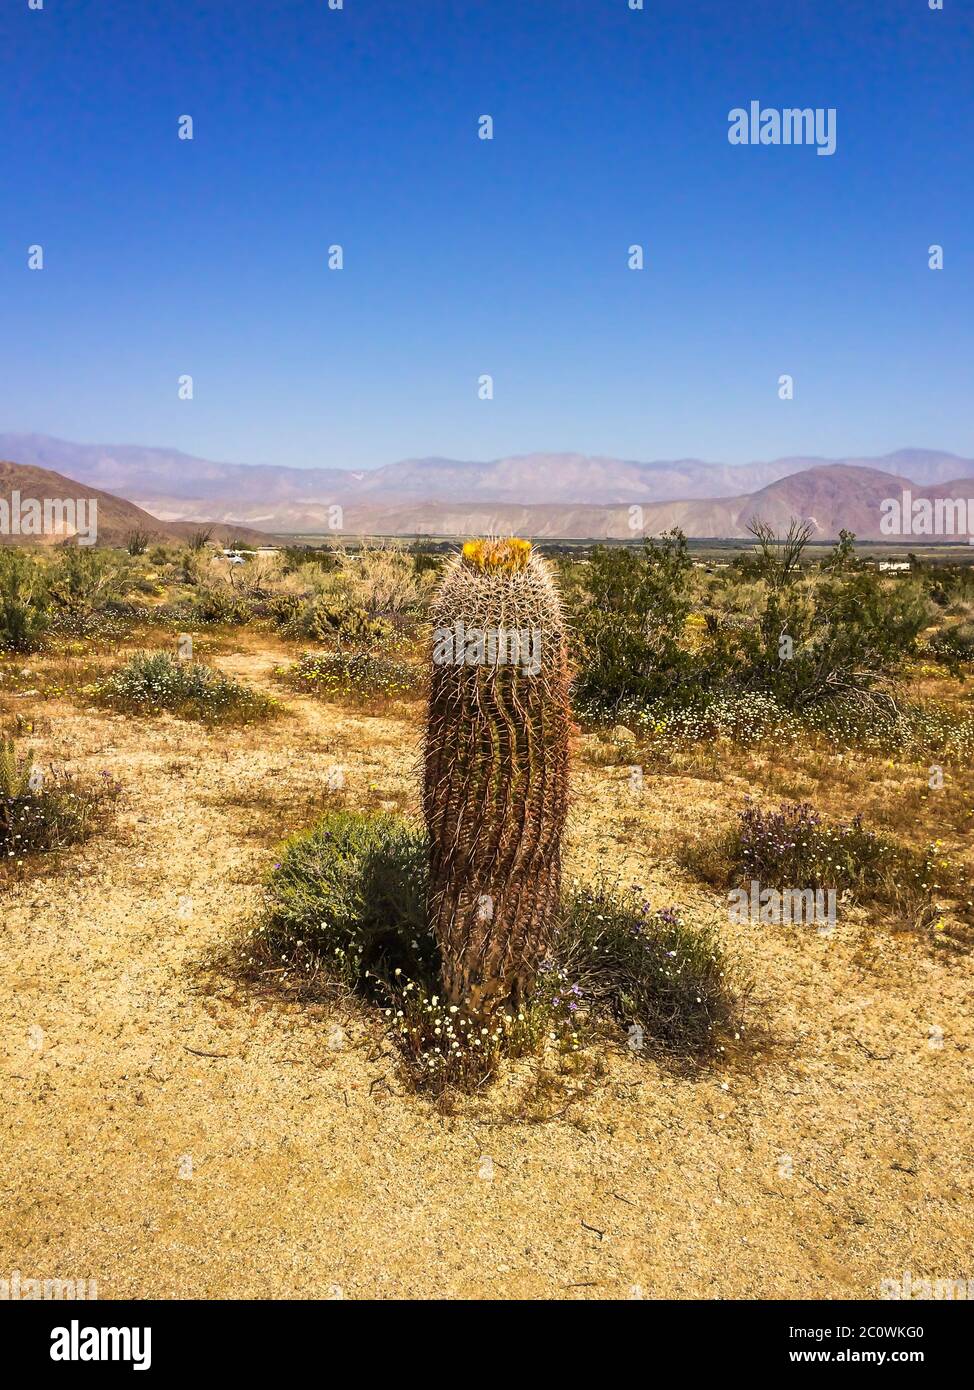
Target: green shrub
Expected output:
[295,557]
[352,675]
[283,609]
[46,813]
[663,979]
[844,634]
[23,601]
[347,899]
[345,910]
[655,635]
[629,609]
[954,642]
[81,579]
[87,592]
[153,682]
[333,617]
[214,605]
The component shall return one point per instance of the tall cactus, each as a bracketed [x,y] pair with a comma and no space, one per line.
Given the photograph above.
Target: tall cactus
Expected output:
[495,791]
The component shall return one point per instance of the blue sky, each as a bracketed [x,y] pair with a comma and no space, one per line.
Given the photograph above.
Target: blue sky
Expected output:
[508,257]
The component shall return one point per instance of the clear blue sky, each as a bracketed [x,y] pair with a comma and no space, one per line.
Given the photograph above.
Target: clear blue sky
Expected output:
[464,256]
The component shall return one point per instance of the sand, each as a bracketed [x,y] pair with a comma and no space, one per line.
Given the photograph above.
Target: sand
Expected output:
[173,1133]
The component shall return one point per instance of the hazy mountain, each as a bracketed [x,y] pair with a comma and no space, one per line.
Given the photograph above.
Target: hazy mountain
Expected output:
[171,484]
[544,495]
[831,497]
[115,519]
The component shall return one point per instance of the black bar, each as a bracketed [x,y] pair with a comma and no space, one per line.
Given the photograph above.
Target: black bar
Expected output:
[251,1337]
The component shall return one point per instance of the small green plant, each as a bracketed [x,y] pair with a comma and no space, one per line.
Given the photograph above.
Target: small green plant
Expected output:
[792,847]
[663,979]
[354,675]
[42,813]
[153,682]
[23,602]
[346,901]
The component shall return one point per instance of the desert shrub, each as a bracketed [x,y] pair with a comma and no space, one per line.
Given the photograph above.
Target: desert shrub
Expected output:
[282,609]
[363,599]
[656,637]
[352,675]
[215,604]
[89,593]
[137,542]
[662,978]
[792,847]
[43,813]
[345,910]
[805,638]
[334,617]
[629,608]
[951,587]
[295,557]
[81,578]
[23,601]
[199,540]
[384,582]
[845,633]
[346,903]
[954,642]
[190,567]
[261,578]
[153,682]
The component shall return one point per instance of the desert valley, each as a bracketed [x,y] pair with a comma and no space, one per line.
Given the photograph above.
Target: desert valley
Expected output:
[229,1067]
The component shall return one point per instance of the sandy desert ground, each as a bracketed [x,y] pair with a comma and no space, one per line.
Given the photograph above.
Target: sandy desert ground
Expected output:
[172,1133]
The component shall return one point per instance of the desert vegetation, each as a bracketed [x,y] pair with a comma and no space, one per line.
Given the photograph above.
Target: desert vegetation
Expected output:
[366,877]
[153,682]
[44,811]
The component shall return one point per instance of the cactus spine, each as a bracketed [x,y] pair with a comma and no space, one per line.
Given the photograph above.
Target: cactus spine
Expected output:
[495,790]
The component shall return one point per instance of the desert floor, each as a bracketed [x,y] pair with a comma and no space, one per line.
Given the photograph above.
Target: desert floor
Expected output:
[170,1132]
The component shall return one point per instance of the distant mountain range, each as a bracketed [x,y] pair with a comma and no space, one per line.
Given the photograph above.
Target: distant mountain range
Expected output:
[114,519]
[569,496]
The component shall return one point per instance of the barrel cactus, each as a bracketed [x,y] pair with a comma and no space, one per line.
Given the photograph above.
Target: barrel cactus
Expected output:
[495,790]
